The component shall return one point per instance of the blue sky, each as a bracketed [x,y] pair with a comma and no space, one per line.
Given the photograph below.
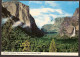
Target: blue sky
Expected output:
[44,12]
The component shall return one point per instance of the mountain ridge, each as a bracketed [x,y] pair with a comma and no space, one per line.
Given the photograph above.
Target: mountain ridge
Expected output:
[64,25]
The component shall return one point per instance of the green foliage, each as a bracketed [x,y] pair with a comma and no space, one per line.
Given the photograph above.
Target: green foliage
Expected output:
[67,44]
[52,46]
[64,37]
[12,38]
[17,40]
[25,46]
[39,44]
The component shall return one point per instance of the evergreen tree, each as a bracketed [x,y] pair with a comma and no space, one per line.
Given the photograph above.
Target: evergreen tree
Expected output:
[52,47]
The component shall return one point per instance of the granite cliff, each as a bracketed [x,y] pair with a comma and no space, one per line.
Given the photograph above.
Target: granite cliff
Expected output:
[17,11]
[64,25]
[69,23]
[53,27]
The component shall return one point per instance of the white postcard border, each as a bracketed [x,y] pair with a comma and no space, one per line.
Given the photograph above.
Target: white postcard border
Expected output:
[41,53]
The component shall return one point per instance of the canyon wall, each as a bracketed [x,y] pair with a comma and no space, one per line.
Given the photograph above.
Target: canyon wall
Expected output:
[20,12]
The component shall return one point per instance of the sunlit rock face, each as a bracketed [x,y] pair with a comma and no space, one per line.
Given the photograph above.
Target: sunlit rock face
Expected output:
[18,10]
[21,17]
[67,26]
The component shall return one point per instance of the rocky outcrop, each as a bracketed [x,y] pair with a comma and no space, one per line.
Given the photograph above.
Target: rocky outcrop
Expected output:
[48,28]
[76,13]
[67,26]
[58,21]
[20,12]
[53,27]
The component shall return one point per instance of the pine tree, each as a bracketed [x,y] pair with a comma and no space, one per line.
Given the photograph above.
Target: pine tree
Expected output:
[52,47]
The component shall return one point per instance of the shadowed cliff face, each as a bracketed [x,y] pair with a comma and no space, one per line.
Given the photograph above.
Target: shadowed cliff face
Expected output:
[67,26]
[20,12]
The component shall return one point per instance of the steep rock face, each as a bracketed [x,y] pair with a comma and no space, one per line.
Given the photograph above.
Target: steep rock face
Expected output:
[58,21]
[53,27]
[76,13]
[48,28]
[20,12]
[69,23]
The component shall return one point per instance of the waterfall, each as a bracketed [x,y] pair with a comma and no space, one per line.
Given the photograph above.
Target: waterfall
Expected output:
[74,32]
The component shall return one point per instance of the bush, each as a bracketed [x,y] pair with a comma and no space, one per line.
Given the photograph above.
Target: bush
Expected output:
[25,46]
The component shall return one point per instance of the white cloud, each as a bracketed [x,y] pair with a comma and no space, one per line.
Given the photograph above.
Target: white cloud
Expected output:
[35,12]
[59,11]
[47,11]
[51,3]
[42,20]
[37,2]
[43,16]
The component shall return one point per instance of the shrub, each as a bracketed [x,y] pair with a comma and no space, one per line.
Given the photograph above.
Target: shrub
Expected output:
[25,46]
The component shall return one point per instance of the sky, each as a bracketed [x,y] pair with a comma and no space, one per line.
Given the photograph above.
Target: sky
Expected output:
[45,12]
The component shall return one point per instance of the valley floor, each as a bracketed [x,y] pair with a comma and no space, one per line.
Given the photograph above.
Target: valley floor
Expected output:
[18,41]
